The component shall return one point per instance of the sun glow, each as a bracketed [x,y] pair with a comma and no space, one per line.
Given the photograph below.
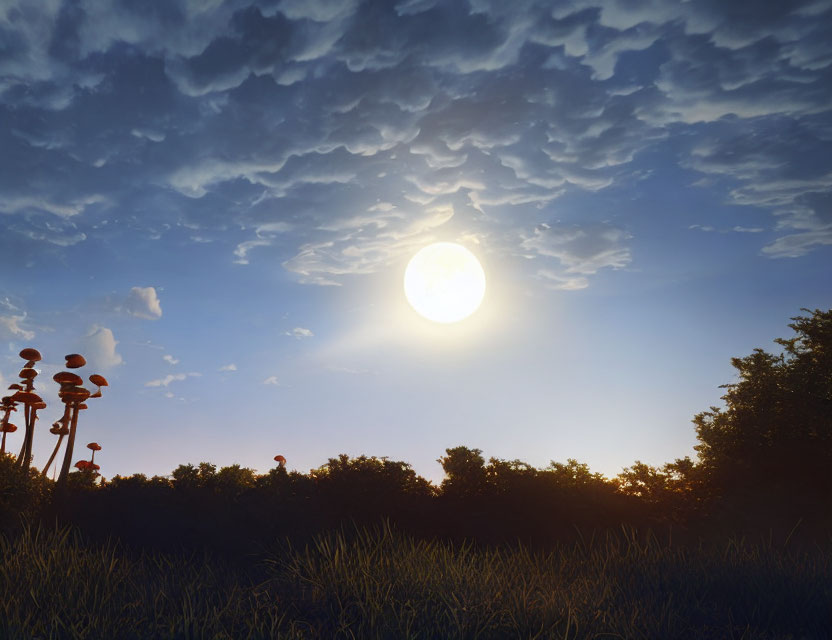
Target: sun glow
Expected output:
[444,282]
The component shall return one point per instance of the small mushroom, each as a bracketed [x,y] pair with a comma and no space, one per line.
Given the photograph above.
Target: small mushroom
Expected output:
[6,427]
[15,387]
[93,446]
[280,460]
[28,374]
[31,356]
[82,465]
[57,429]
[75,361]
[39,406]
[98,381]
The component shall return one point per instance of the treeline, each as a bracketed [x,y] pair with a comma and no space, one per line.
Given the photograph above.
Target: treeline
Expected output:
[762,466]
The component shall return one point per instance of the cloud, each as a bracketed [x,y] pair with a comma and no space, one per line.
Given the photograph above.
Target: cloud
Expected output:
[99,348]
[143,302]
[581,250]
[290,122]
[171,377]
[170,359]
[299,332]
[228,367]
[10,325]
[272,380]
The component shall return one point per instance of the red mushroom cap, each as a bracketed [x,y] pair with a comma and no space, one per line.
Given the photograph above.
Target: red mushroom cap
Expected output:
[15,387]
[75,361]
[39,405]
[99,381]
[67,377]
[9,427]
[94,446]
[82,464]
[32,355]
[73,394]
[280,460]
[82,406]
[28,374]
[27,397]
[93,466]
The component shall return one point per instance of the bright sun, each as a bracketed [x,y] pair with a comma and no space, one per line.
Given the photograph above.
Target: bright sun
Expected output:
[444,282]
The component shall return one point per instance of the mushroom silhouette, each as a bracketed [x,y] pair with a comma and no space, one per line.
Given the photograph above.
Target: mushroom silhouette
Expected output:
[30,401]
[93,446]
[280,460]
[73,395]
[59,428]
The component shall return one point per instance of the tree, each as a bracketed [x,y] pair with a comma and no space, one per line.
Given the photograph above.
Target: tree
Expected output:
[773,439]
[465,471]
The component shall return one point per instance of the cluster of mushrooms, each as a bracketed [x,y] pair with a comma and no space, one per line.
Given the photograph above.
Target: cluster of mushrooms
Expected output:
[71,393]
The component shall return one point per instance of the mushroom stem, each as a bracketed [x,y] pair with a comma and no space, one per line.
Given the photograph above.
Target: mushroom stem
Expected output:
[64,420]
[30,434]
[22,453]
[70,443]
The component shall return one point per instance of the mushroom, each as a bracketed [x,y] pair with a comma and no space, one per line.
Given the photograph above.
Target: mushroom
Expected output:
[82,465]
[93,446]
[98,381]
[28,374]
[7,427]
[59,428]
[280,460]
[75,361]
[31,356]
[30,401]
[67,377]
[73,395]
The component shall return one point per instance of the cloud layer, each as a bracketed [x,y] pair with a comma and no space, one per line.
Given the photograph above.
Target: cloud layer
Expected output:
[335,137]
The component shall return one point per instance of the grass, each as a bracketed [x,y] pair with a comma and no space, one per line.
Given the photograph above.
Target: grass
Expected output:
[377,583]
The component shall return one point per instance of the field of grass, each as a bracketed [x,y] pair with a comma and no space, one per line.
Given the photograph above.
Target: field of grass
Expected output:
[377,583]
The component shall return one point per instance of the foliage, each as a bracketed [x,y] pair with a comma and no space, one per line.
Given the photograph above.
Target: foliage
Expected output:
[770,448]
[378,583]
[23,492]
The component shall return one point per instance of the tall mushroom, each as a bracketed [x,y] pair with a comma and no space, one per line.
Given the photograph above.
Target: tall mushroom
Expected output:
[73,395]
[30,401]
[60,427]
[26,396]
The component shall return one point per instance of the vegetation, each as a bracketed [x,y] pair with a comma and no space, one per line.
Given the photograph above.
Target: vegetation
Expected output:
[378,583]
[499,549]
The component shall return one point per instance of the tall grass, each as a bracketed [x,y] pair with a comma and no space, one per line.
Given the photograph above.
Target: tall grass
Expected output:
[377,583]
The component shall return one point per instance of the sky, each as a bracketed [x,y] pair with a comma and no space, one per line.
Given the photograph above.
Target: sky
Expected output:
[215,203]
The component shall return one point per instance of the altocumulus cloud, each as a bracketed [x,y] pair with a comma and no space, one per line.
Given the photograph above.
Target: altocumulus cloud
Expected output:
[336,154]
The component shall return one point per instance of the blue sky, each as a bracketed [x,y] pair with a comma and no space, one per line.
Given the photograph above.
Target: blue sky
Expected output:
[215,203]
